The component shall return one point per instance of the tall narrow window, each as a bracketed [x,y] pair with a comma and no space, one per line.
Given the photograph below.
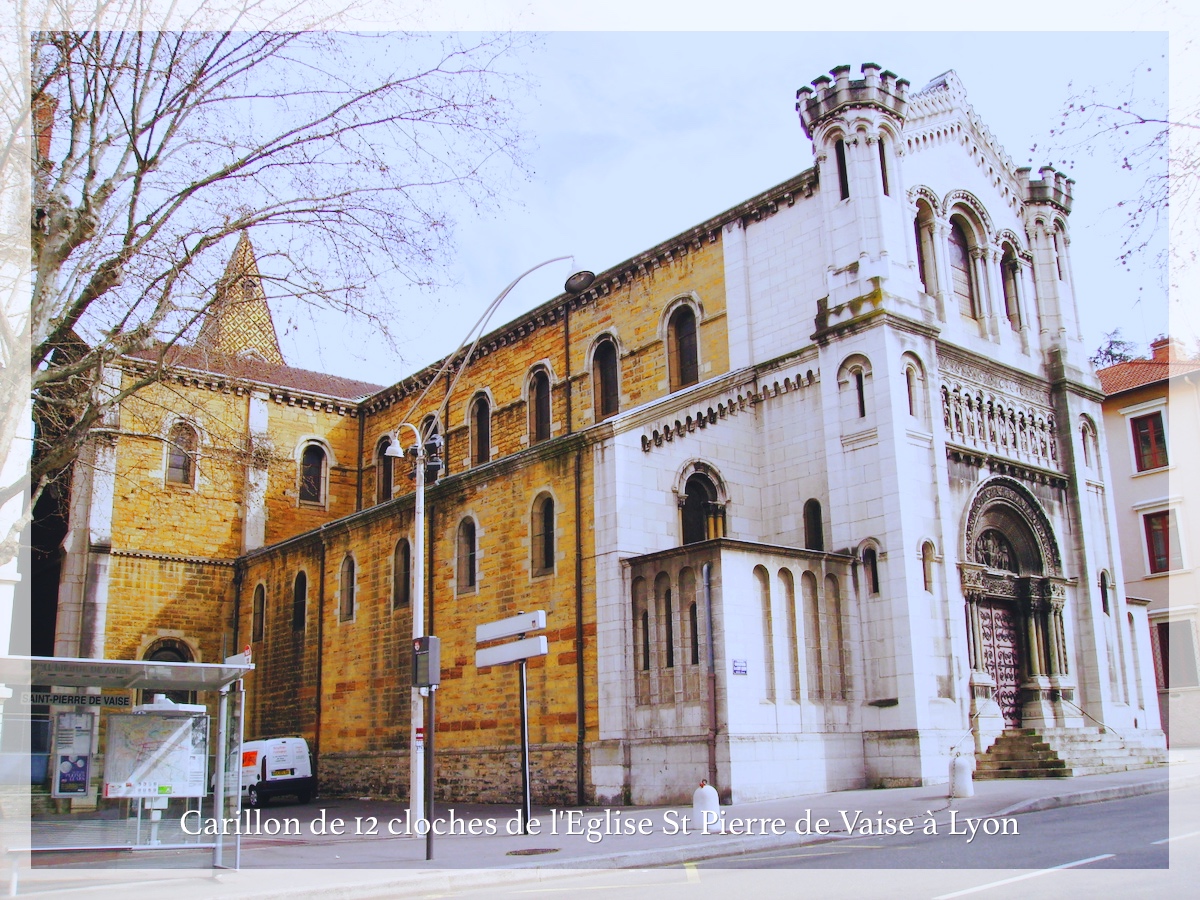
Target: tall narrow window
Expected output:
[466,556]
[1149,442]
[962,278]
[668,617]
[383,471]
[871,569]
[346,584]
[258,622]
[313,466]
[768,632]
[1104,593]
[539,407]
[1162,542]
[181,454]
[839,152]
[401,574]
[481,431]
[645,640]
[814,663]
[910,383]
[814,537]
[695,633]
[682,349]
[883,167]
[860,393]
[1010,271]
[605,389]
[927,565]
[300,602]
[703,519]
[542,534]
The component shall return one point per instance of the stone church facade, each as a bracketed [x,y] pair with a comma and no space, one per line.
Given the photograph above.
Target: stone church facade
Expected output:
[813,495]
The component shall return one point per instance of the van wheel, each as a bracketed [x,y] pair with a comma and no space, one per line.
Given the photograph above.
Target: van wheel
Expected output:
[304,796]
[256,801]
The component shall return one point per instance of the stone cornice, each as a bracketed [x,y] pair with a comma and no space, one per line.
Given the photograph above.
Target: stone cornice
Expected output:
[170,557]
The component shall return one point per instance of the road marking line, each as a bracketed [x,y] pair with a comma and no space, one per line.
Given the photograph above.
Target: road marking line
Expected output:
[1027,875]
[1177,837]
[692,874]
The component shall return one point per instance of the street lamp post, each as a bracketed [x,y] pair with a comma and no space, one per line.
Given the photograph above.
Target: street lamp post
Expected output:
[577,282]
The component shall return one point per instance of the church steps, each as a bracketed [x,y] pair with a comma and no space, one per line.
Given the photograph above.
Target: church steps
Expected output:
[1062,752]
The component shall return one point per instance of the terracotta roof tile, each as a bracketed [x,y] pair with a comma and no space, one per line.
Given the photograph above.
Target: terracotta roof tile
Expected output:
[251,369]
[1139,372]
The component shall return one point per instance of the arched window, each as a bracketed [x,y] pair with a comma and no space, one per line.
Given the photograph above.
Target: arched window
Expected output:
[923,225]
[1104,593]
[181,454]
[481,431]
[346,583]
[860,391]
[171,650]
[300,602]
[839,152]
[542,536]
[883,167]
[401,574]
[871,569]
[314,467]
[962,275]
[665,614]
[682,348]
[1010,271]
[466,556]
[703,518]
[258,621]
[383,470]
[605,387]
[927,565]
[838,677]
[814,534]
[539,407]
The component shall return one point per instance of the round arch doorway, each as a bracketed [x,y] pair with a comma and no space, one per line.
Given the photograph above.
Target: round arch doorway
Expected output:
[1012,582]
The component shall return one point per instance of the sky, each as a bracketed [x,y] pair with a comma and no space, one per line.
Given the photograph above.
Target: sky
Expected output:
[636,136]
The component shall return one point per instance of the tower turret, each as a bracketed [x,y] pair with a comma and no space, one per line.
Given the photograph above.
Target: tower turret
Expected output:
[856,127]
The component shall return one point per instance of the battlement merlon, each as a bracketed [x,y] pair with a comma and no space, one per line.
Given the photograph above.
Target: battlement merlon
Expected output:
[1053,187]
[878,87]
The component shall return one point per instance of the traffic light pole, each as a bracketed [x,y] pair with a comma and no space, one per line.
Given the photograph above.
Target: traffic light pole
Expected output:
[525,800]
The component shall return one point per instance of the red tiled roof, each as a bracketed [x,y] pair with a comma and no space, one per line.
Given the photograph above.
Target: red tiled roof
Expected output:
[251,369]
[1139,372]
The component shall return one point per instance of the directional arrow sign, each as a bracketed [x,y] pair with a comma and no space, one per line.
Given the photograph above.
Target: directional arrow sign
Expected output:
[506,653]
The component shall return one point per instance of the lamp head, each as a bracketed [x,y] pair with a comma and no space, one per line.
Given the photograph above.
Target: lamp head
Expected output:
[580,281]
[394,450]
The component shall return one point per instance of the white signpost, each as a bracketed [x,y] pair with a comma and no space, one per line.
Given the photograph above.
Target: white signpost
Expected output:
[515,651]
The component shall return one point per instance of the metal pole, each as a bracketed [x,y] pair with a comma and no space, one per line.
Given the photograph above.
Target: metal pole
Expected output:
[525,811]
[416,783]
[241,739]
[219,786]
[430,727]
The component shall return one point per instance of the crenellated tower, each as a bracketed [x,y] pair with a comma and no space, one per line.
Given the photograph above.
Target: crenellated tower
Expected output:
[856,129]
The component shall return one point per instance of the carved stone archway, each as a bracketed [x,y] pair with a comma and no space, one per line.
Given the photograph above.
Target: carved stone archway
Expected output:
[1012,581]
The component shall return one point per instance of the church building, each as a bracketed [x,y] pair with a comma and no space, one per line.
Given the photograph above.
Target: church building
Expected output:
[813,494]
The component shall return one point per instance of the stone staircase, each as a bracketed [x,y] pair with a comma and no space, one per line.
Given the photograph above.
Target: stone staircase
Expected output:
[1063,753]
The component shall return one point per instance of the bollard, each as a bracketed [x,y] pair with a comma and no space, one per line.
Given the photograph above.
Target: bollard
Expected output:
[960,776]
[705,800]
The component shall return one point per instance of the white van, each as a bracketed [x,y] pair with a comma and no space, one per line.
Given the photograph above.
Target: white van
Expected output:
[273,767]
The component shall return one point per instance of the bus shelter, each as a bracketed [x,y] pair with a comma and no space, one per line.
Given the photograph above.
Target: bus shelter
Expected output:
[149,788]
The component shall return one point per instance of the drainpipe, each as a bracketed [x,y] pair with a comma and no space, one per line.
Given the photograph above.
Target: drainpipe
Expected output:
[712,677]
[580,704]
[567,369]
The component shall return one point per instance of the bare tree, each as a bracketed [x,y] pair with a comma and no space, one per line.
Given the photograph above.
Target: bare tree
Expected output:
[153,150]
[1132,125]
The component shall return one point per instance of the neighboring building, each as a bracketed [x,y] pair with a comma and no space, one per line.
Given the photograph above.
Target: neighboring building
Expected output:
[1152,417]
[810,493]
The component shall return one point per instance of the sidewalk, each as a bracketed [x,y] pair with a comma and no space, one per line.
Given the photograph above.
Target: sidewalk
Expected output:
[379,864]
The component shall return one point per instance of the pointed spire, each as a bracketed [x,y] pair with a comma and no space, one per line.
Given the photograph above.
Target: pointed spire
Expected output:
[238,322]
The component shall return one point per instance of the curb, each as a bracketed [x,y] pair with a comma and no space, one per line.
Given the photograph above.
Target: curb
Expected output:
[1120,792]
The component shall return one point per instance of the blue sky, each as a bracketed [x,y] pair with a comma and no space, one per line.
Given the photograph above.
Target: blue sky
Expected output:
[637,136]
